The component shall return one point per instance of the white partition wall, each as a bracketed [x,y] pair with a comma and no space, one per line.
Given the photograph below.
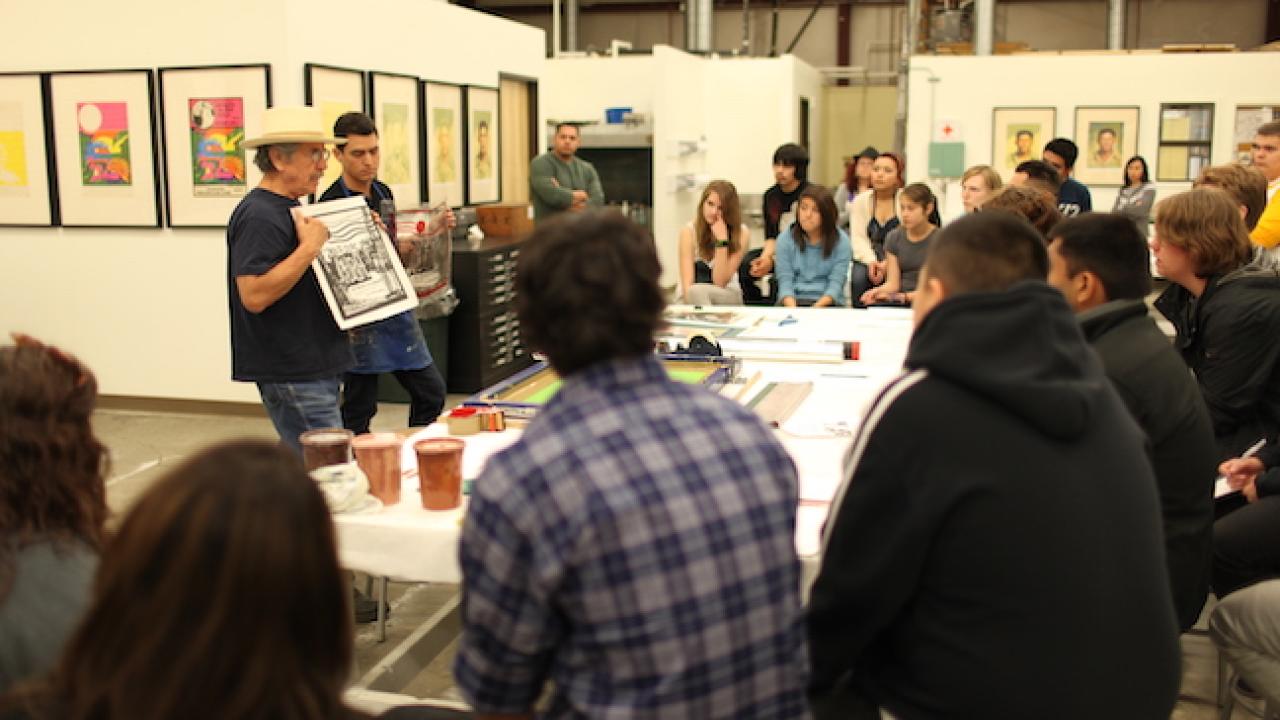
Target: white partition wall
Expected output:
[964,90]
[744,108]
[147,308]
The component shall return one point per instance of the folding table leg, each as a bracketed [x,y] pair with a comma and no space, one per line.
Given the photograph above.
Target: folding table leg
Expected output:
[382,609]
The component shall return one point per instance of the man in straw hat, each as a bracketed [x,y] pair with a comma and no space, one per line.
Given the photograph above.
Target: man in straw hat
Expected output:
[282,335]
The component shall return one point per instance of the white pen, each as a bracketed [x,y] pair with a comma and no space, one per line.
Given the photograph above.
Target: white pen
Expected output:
[1221,487]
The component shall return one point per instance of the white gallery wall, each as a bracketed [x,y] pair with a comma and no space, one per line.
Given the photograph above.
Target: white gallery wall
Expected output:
[965,90]
[743,107]
[147,308]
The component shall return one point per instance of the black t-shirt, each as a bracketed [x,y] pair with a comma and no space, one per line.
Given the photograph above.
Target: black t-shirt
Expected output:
[779,209]
[380,192]
[296,338]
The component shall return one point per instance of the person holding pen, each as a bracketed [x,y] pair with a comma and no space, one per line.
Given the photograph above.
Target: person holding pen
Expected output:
[1246,541]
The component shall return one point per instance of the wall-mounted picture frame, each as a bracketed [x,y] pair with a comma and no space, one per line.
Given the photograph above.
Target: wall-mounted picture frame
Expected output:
[1107,138]
[1018,134]
[1248,118]
[1186,141]
[26,195]
[484,154]
[334,90]
[395,103]
[206,114]
[444,149]
[104,144]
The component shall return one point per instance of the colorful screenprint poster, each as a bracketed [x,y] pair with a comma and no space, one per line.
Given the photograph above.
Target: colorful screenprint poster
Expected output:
[446,168]
[395,168]
[482,123]
[217,153]
[13,150]
[104,143]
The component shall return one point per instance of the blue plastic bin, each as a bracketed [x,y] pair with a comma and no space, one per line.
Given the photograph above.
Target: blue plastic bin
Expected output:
[613,116]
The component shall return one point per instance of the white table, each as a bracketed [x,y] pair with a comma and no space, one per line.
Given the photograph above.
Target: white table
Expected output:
[406,542]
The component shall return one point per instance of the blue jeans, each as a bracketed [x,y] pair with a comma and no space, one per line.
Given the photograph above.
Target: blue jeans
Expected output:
[296,407]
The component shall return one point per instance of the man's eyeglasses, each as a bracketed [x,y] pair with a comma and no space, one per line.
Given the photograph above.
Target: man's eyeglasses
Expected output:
[319,156]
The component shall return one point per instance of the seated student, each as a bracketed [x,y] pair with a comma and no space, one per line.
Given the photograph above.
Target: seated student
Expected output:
[906,247]
[635,547]
[711,248]
[872,216]
[52,503]
[791,177]
[857,180]
[220,597]
[1029,201]
[977,185]
[1244,183]
[1225,308]
[1073,196]
[1100,263]
[813,255]
[1000,503]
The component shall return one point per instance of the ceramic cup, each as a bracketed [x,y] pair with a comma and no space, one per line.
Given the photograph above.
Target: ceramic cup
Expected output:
[378,455]
[440,472]
[325,446]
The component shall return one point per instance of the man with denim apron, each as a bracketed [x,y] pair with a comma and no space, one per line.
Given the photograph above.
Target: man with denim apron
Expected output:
[394,345]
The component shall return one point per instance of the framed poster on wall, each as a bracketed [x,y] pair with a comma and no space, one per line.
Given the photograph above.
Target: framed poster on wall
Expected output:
[395,102]
[442,116]
[25,194]
[1018,134]
[1107,138]
[206,113]
[483,152]
[104,146]
[1186,141]
[1248,118]
[334,91]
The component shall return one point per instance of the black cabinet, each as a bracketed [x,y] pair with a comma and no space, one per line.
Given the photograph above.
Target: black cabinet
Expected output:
[484,334]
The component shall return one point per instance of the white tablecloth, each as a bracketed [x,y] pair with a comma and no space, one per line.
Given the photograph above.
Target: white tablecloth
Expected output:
[406,542]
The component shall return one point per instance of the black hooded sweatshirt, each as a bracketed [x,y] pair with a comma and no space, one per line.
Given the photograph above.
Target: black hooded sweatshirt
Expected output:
[996,551]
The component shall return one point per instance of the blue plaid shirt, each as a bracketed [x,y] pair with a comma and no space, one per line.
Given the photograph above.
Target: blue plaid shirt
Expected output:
[636,547]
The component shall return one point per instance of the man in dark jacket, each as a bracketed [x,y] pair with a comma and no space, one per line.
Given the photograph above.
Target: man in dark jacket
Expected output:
[996,551]
[1099,261]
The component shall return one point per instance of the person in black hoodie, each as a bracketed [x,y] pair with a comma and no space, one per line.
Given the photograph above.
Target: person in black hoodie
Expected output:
[996,551]
[1100,263]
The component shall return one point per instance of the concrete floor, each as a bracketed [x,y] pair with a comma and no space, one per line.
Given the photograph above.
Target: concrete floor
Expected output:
[145,444]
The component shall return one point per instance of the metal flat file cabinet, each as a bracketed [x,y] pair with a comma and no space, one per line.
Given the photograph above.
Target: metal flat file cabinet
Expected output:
[484,334]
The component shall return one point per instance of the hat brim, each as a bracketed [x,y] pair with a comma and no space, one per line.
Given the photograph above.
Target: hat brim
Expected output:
[283,138]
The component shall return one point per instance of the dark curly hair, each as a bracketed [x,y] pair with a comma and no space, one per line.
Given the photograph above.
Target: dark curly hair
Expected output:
[587,289]
[51,464]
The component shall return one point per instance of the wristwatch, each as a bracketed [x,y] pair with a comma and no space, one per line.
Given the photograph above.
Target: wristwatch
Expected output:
[722,243]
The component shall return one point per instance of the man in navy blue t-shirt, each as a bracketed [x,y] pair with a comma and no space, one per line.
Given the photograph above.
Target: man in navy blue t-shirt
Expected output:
[283,337]
[1073,196]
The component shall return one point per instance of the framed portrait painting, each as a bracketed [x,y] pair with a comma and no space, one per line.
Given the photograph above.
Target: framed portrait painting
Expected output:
[395,102]
[1107,138]
[1018,134]
[25,194]
[445,169]
[206,114]
[483,152]
[104,145]
[334,91]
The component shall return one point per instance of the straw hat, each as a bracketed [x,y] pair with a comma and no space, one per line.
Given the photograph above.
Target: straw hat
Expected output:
[293,125]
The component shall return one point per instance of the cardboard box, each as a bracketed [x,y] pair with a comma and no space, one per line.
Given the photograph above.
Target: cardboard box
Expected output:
[505,220]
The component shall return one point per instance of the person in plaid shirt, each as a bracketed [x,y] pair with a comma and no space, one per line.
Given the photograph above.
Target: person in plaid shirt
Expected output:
[635,546]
